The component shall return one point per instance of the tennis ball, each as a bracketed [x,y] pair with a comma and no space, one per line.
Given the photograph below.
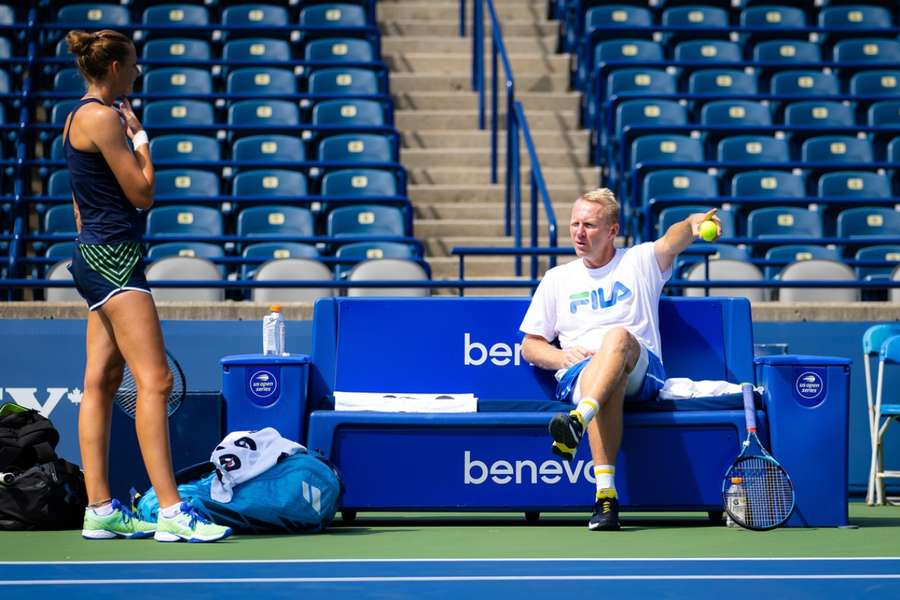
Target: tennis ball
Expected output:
[708,230]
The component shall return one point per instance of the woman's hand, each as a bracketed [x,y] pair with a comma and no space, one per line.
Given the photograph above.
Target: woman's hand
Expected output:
[132,124]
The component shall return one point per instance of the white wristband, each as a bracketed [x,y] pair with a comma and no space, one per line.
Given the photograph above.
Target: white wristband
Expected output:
[140,139]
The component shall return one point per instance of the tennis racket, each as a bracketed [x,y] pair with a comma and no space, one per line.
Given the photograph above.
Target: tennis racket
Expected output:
[126,395]
[757,491]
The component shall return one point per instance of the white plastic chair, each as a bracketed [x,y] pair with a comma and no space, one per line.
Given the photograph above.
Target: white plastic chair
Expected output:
[388,269]
[60,272]
[723,270]
[185,268]
[298,269]
[829,270]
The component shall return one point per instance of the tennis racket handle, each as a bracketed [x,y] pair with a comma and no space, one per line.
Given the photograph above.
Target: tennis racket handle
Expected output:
[749,406]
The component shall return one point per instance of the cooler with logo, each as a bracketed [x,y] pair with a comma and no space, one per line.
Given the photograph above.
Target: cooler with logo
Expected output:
[808,402]
[265,391]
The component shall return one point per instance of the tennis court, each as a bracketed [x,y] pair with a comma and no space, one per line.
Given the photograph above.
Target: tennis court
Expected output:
[441,555]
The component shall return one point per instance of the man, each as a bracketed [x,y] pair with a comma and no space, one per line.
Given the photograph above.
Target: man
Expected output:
[604,311]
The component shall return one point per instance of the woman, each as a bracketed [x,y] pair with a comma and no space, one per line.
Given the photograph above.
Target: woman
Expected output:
[110,185]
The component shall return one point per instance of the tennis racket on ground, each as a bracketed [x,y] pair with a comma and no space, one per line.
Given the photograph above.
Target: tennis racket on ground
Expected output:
[126,395]
[757,491]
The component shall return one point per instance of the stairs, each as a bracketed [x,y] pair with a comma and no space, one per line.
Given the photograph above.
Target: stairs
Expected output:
[448,158]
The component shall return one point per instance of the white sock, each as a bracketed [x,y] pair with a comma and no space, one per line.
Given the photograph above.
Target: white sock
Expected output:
[103,510]
[606,480]
[170,511]
[587,408]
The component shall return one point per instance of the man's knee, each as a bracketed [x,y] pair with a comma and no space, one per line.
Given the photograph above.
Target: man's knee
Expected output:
[619,341]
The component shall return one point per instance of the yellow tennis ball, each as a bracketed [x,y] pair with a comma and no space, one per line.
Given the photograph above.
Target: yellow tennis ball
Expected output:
[708,230]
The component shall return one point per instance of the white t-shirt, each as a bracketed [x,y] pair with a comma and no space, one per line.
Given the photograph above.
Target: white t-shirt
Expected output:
[579,305]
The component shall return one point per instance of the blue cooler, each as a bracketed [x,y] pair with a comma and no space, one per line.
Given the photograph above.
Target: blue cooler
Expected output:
[808,411]
[265,391]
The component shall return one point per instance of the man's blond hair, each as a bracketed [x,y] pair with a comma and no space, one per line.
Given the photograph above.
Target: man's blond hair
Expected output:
[607,200]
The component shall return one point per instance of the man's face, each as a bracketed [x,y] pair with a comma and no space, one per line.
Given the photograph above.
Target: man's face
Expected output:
[591,233]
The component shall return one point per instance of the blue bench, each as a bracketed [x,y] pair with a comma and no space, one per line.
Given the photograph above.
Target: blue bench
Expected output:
[674,453]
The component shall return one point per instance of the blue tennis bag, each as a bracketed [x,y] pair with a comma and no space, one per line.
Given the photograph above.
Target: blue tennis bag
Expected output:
[299,494]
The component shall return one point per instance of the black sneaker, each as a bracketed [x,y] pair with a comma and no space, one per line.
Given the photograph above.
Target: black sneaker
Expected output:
[566,430]
[606,515]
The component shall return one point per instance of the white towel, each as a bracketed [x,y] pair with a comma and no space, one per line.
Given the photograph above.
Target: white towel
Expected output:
[682,388]
[243,455]
[406,403]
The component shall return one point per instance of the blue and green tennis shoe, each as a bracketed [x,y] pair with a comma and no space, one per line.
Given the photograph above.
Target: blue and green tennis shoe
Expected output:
[120,523]
[188,526]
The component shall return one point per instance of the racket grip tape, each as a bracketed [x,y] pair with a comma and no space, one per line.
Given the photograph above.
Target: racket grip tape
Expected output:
[749,406]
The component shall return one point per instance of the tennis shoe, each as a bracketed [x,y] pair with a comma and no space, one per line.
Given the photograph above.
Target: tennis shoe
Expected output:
[189,526]
[606,515]
[120,523]
[566,430]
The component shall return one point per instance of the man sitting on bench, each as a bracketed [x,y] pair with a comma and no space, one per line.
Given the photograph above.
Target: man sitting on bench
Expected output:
[604,310]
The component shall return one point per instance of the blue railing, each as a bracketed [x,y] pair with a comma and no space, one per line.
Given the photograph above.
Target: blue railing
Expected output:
[516,124]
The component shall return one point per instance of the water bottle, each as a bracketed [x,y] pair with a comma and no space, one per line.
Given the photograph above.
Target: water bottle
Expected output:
[273,332]
[737,502]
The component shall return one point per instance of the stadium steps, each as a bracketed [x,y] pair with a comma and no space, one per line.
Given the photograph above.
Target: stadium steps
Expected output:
[448,158]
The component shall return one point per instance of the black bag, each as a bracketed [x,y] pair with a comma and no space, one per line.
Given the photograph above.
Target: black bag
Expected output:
[46,496]
[26,438]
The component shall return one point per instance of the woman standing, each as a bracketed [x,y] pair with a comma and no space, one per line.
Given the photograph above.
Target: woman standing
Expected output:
[110,185]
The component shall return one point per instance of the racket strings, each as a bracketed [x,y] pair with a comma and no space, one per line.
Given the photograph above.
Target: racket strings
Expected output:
[767,491]
[126,395]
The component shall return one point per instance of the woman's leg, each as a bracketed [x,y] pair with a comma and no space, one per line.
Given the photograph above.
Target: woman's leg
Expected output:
[138,336]
[102,375]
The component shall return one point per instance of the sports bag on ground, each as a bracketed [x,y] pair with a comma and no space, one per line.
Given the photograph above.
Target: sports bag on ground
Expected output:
[26,438]
[50,495]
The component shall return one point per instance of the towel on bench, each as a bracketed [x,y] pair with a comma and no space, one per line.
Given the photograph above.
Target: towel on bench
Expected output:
[406,403]
[682,388]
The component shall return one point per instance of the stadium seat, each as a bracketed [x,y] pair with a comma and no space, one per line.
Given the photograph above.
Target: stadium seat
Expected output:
[98,15]
[264,221]
[854,184]
[257,50]
[750,149]
[720,251]
[724,270]
[360,251]
[784,222]
[344,82]
[175,81]
[886,112]
[388,269]
[178,15]
[357,148]
[777,20]
[336,15]
[875,83]
[796,253]
[177,49]
[185,268]
[614,15]
[618,50]
[337,50]
[886,252]
[5,48]
[804,83]
[867,50]
[60,272]
[186,148]
[7,15]
[649,81]
[296,269]
[184,220]
[268,147]
[59,184]
[649,112]
[666,149]
[737,113]
[817,269]
[870,222]
[768,184]
[60,251]
[703,18]
[674,214]
[722,82]
[711,51]
[263,113]
[265,251]
[60,219]
[673,183]
[261,81]
[818,113]
[786,51]
[855,16]
[186,183]
[365,220]
[348,113]
[65,80]
[61,110]
[175,113]
[189,249]
[836,150]
[255,15]
[270,182]
[359,182]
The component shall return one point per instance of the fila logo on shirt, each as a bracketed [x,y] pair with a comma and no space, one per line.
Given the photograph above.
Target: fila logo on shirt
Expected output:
[597,299]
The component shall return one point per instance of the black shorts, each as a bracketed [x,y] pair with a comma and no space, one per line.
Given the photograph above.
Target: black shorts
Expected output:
[101,271]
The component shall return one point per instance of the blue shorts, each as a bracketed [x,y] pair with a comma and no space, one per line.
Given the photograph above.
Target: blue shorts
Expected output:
[96,288]
[644,386]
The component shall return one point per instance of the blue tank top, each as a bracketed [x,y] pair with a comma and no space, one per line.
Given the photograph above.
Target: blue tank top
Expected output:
[107,217]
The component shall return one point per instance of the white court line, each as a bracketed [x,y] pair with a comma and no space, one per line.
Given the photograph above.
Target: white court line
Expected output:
[32,582]
[438,560]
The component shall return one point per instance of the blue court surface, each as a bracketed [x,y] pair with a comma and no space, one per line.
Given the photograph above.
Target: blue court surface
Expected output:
[713,578]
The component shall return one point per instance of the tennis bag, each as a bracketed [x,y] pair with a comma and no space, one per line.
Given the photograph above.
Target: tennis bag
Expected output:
[299,494]
[49,495]
[26,437]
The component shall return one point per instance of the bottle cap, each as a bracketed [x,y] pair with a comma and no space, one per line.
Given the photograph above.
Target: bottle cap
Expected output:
[275,308]
[737,480]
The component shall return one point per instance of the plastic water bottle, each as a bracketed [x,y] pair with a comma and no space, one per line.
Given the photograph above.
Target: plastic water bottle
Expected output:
[737,502]
[273,332]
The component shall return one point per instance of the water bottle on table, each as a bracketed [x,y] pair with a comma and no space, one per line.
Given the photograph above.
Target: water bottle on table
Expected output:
[273,332]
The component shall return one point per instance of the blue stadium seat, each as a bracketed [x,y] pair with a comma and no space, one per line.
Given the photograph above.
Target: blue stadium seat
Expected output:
[618,50]
[177,49]
[674,214]
[261,81]
[184,220]
[870,222]
[768,184]
[347,113]
[59,183]
[357,148]
[7,15]
[795,253]
[738,113]
[875,83]
[275,221]
[649,112]
[837,149]
[263,113]
[269,182]
[712,51]
[257,49]
[186,148]
[60,219]
[5,48]
[886,112]
[65,80]
[778,20]
[264,251]
[369,251]
[360,182]
[255,16]
[186,183]
[784,222]
[173,81]
[753,149]
[177,15]
[337,15]
[336,50]
[805,83]
[97,15]
[720,252]
[61,110]
[886,252]
[703,18]
[172,113]
[614,15]
[344,81]
[365,220]
[60,251]
[893,151]
[651,81]
[57,152]
[868,50]
[268,147]
[673,183]
[856,16]
[190,249]
[722,82]
[854,184]
[818,113]
[786,51]
[666,148]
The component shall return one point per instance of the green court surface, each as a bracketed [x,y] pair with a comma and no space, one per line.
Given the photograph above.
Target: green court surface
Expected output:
[875,532]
